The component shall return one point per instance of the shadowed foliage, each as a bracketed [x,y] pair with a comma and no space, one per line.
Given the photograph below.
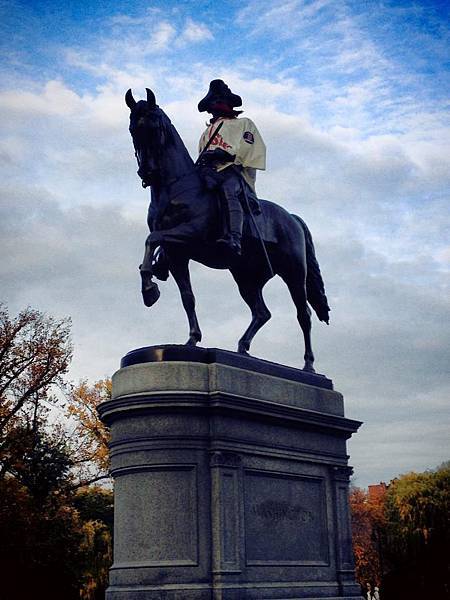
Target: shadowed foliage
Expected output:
[401,538]
[55,538]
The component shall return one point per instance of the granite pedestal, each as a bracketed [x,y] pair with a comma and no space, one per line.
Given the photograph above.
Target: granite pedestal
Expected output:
[231,480]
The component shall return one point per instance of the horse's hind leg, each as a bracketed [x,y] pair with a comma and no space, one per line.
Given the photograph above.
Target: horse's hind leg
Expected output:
[252,294]
[297,289]
[180,271]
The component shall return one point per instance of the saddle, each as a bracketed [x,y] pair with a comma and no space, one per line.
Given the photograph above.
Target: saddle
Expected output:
[253,212]
[259,225]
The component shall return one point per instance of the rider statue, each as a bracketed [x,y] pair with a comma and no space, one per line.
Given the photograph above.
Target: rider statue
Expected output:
[183,215]
[231,149]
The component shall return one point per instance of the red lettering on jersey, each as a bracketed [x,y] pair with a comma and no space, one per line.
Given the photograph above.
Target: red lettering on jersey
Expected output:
[219,141]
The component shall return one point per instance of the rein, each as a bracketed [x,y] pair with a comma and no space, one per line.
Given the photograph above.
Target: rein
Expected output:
[169,182]
[165,185]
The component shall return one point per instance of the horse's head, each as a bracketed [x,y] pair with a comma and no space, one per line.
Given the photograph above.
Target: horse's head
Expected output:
[147,131]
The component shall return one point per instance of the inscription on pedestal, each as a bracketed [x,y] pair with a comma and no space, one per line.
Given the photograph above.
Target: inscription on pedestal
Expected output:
[285,519]
[280,511]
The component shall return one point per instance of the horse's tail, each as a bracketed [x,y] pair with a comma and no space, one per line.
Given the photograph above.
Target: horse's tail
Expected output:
[315,289]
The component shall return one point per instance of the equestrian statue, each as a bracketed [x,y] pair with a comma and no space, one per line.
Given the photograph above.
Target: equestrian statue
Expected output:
[208,211]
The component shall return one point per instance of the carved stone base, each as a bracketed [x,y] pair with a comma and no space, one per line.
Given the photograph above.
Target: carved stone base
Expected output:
[231,480]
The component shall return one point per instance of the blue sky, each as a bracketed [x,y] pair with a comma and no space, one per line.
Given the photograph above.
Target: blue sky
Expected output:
[409,41]
[352,99]
[372,64]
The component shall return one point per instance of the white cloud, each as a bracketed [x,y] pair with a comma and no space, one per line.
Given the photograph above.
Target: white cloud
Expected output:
[55,99]
[162,37]
[284,17]
[195,32]
[372,186]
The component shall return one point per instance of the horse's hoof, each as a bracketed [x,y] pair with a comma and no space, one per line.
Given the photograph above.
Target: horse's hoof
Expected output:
[308,368]
[193,340]
[150,294]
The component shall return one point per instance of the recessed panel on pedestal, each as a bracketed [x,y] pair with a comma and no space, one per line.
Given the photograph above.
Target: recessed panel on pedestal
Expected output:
[157,524]
[285,519]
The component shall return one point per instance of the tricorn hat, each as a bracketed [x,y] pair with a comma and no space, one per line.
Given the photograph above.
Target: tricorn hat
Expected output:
[219,89]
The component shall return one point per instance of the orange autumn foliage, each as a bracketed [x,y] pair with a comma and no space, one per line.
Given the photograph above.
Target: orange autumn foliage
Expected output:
[91,435]
[367,523]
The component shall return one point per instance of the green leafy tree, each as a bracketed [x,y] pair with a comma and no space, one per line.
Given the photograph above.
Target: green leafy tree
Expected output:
[43,465]
[417,535]
[40,532]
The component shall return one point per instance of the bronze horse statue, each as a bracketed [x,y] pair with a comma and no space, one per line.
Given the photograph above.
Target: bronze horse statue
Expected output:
[185,221]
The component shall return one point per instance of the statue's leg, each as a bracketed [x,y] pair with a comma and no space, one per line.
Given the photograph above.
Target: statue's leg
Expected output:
[149,251]
[179,267]
[224,218]
[296,281]
[231,188]
[160,265]
[150,290]
[251,292]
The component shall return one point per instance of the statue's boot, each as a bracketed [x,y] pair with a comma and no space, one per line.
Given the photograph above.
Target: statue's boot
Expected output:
[236,224]
[232,239]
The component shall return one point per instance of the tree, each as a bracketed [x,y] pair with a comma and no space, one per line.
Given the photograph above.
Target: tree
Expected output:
[57,548]
[402,535]
[35,354]
[367,524]
[55,540]
[417,535]
[90,436]
[95,508]
[41,461]
[40,532]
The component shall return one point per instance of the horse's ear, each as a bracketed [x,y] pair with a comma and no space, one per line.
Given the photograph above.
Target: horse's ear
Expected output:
[151,100]
[130,101]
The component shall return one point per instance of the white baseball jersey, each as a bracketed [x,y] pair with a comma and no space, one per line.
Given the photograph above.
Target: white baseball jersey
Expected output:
[241,138]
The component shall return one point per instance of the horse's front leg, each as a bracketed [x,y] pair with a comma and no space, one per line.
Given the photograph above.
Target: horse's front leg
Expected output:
[150,289]
[180,271]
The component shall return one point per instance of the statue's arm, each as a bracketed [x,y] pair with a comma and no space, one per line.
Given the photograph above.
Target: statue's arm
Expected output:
[252,150]
[214,156]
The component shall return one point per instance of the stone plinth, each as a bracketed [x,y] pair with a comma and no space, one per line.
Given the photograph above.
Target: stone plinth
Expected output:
[231,480]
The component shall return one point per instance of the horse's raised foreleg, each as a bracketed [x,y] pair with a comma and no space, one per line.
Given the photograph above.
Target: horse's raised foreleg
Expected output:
[150,289]
[180,271]
[297,289]
[252,294]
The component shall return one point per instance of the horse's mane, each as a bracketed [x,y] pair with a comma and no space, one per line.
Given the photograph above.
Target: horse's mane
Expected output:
[167,129]
[169,134]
